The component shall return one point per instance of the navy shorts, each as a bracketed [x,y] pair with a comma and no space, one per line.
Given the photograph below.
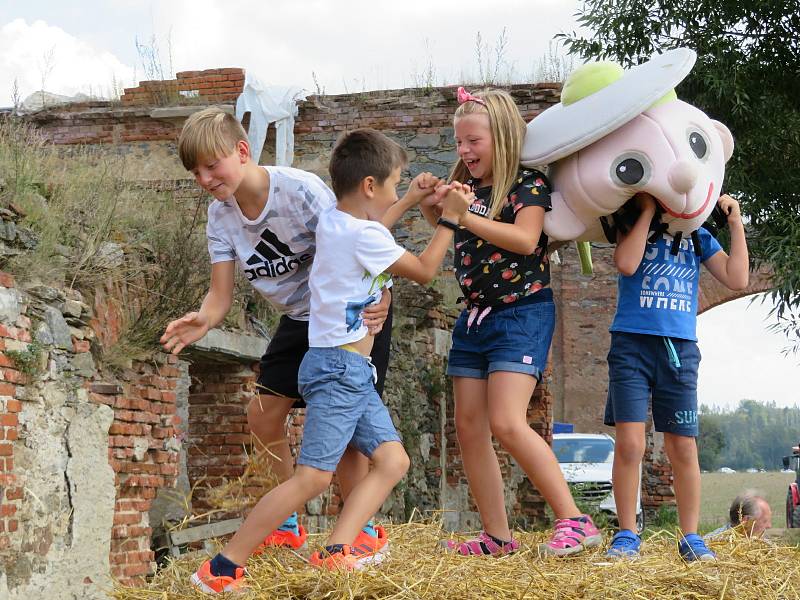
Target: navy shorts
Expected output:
[342,408]
[511,337]
[643,367]
[280,364]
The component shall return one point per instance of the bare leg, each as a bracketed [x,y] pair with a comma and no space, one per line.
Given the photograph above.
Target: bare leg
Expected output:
[353,468]
[478,455]
[266,416]
[390,465]
[273,509]
[628,454]
[682,454]
[509,395]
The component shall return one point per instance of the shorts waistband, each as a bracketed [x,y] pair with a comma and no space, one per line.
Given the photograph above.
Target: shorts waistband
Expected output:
[543,295]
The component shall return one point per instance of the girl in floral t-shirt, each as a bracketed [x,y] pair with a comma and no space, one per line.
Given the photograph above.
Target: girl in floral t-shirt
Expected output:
[502,337]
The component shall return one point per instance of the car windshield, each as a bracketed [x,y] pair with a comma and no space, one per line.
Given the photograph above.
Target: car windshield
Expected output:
[576,450]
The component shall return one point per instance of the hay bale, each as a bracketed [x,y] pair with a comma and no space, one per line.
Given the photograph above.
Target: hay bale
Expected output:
[747,569]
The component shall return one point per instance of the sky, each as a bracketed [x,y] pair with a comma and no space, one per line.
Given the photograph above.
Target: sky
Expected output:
[338,47]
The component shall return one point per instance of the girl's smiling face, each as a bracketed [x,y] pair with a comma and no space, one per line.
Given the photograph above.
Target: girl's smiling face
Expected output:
[474,145]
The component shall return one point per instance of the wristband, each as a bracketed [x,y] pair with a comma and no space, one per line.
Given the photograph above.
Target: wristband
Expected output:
[449,224]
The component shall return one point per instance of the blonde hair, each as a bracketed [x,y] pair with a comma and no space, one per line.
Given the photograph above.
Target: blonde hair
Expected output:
[209,133]
[508,131]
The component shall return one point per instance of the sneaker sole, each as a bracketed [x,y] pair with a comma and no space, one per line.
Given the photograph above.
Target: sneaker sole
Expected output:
[589,542]
[374,558]
[209,590]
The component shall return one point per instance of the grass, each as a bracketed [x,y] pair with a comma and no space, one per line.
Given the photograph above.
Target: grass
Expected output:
[719,489]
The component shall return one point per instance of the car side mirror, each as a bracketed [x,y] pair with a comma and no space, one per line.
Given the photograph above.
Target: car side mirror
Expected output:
[785,462]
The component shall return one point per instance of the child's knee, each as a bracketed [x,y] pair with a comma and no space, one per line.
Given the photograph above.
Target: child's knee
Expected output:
[507,431]
[313,481]
[391,458]
[680,448]
[629,450]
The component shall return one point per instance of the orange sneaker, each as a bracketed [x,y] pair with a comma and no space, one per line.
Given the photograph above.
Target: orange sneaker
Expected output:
[370,549]
[338,561]
[217,584]
[284,539]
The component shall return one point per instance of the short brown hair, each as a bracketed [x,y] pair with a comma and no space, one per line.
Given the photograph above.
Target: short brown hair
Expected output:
[209,133]
[363,153]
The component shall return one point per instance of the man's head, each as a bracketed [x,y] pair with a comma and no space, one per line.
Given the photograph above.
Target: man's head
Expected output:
[213,146]
[365,162]
[752,512]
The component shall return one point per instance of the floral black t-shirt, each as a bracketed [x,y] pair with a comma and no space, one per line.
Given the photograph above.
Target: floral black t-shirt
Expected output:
[489,275]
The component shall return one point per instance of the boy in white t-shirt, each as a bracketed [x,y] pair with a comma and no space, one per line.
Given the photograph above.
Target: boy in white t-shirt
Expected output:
[263,222]
[354,249]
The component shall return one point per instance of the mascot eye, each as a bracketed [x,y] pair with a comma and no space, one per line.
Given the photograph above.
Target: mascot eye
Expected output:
[631,168]
[697,143]
[630,171]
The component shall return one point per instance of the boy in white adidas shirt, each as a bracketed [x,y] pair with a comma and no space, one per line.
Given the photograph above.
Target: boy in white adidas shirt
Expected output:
[336,376]
[263,221]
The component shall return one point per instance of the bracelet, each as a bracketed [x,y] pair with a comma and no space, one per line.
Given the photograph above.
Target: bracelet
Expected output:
[449,224]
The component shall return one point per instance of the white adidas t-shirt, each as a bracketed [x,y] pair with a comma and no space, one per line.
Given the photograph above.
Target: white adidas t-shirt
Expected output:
[347,275]
[274,251]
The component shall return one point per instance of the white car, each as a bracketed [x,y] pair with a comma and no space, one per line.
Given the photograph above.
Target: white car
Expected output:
[725,470]
[586,460]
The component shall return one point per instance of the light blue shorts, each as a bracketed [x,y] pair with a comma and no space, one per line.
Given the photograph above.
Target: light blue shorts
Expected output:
[342,408]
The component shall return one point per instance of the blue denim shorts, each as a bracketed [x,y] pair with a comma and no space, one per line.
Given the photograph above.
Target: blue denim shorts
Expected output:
[342,407]
[512,337]
[643,367]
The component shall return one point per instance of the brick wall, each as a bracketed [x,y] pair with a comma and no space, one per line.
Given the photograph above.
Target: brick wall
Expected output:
[209,86]
[10,376]
[143,451]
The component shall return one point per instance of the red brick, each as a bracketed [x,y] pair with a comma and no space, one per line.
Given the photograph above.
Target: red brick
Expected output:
[15,494]
[8,389]
[6,450]
[81,346]
[14,376]
[13,406]
[7,510]
[7,280]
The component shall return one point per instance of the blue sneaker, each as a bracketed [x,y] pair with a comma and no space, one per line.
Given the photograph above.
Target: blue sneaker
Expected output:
[692,547]
[624,544]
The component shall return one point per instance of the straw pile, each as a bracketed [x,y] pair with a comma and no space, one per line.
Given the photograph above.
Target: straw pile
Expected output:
[747,570]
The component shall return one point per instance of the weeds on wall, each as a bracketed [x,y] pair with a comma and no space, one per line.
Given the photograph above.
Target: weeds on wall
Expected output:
[93,228]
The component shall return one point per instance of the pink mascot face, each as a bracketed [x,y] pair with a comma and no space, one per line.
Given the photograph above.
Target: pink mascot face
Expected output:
[673,151]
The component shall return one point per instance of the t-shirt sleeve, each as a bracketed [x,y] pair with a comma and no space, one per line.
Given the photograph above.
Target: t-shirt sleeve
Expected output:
[219,248]
[376,250]
[315,197]
[708,244]
[532,189]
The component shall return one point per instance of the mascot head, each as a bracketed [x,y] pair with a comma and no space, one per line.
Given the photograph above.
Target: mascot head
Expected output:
[616,133]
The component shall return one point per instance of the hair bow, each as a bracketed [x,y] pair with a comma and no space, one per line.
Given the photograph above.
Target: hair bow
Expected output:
[464,96]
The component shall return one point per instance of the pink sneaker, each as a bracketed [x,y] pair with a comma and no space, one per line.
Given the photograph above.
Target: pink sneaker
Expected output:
[571,536]
[483,545]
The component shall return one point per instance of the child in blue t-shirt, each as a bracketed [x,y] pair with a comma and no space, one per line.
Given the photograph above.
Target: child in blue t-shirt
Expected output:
[654,355]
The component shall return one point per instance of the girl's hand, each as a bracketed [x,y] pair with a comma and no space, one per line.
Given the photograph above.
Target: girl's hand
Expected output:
[421,187]
[731,208]
[184,331]
[458,199]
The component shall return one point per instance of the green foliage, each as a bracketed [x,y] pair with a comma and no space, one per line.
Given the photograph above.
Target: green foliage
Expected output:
[96,227]
[666,518]
[28,361]
[755,435]
[747,76]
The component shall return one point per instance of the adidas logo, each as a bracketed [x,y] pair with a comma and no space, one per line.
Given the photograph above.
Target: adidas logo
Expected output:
[273,258]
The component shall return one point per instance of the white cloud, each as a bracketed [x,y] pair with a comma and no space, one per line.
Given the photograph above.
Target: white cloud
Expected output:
[742,359]
[37,52]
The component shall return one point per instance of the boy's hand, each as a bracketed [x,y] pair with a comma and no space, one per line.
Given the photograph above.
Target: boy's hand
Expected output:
[422,186]
[375,315]
[458,199]
[184,331]
[731,208]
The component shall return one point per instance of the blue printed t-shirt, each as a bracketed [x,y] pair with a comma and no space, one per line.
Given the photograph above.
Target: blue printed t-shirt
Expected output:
[661,297]
[489,275]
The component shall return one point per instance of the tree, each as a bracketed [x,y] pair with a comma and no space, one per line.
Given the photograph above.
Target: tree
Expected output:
[747,76]
[710,443]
